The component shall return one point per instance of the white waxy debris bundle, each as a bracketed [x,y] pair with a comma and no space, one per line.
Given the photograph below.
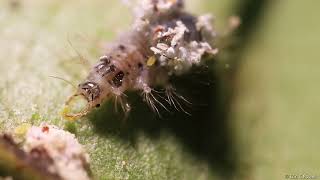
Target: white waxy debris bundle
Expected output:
[145,8]
[69,159]
[179,54]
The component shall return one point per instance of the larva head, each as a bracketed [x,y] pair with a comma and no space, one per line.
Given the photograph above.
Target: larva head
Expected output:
[86,98]
[104,80]
[89,90]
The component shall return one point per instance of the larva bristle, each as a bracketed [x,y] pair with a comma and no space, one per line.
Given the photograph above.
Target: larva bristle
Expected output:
[164,40]
[174,99]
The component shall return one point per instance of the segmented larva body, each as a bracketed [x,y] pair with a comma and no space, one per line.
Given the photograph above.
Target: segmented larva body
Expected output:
[164,41]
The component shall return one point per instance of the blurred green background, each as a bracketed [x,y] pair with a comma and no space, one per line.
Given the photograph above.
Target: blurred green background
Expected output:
[255,112]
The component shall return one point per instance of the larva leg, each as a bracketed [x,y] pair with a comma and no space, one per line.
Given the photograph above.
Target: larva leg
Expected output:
[173,98]
[125,106]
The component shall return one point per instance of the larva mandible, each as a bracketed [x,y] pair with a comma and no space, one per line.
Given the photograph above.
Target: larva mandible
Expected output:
[163,41]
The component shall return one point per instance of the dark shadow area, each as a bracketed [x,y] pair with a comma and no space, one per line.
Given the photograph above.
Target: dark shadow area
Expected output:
[251,13]
[205,134]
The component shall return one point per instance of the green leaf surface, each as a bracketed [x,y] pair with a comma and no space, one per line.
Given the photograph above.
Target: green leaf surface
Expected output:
[276,94]
[34,43]
[257,119]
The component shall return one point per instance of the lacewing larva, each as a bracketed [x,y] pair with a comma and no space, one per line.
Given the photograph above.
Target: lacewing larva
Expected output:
[163,41]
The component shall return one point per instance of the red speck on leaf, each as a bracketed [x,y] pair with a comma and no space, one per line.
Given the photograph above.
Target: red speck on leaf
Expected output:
[45,129]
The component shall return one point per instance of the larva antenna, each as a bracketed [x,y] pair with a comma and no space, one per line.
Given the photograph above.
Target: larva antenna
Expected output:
[66,81]
[83,60]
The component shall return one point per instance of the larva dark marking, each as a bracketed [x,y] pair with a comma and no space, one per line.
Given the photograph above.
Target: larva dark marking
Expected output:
[117,80]
[104,68]
[164,40]
[122,47]
[90,90]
